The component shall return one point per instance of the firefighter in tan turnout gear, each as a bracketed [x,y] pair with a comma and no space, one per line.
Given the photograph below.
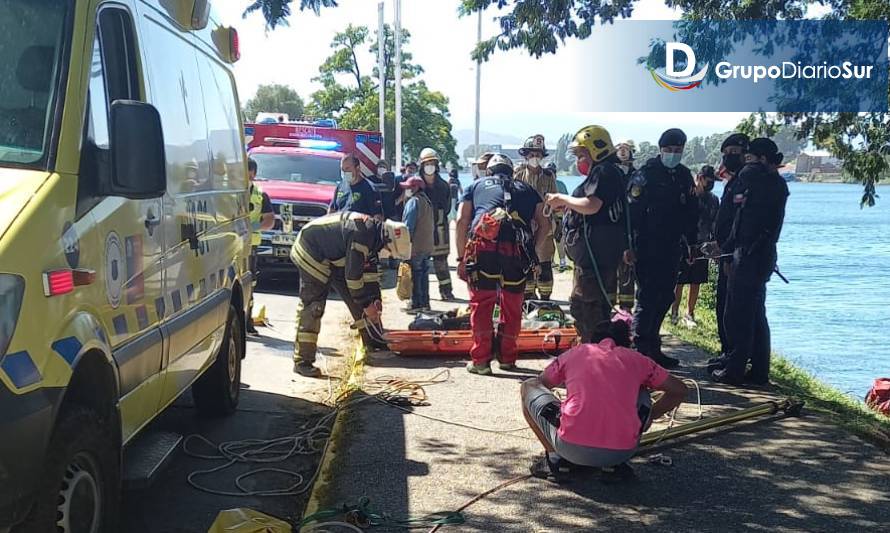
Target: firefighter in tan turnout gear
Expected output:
[531,172]
[340,251]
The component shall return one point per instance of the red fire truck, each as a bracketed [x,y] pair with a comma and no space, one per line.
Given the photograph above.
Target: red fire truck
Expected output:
[298,166]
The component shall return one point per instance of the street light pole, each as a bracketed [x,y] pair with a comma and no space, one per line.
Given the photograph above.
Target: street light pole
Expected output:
[381,90]
[478,80]
[398,67]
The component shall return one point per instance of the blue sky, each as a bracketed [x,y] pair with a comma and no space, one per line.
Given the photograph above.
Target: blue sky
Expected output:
[520,95]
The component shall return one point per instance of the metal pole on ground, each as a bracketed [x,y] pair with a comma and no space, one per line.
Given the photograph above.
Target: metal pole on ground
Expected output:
[398,31]
[381,70]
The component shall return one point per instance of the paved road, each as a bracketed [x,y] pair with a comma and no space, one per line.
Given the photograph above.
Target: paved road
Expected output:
[771,475]
[275,403]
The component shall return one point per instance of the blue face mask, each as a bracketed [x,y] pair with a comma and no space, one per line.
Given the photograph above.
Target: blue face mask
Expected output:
[670,160]
[346,176]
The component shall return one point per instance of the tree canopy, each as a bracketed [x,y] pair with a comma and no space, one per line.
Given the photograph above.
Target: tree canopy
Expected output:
[349,94]
[274,99]
[861,140]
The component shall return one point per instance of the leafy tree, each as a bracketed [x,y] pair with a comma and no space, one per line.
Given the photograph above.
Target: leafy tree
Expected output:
[352,97]
[645,151]
[274,99]
[540,26]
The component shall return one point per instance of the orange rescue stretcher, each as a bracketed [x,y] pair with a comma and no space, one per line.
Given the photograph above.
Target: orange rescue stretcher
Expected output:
[457,343]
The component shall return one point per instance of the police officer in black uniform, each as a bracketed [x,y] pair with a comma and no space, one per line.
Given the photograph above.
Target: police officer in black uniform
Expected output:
[733,148]
[755,231]
[663,214]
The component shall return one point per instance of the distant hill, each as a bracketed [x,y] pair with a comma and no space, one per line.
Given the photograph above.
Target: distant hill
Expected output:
[466,138]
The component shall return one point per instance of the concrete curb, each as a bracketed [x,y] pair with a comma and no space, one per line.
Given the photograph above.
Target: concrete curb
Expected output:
[351,382]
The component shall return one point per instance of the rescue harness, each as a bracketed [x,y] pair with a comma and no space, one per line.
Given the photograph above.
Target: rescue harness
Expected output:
[488,231]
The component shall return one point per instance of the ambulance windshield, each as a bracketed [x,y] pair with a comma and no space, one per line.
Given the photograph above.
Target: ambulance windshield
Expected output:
[31,43]
[299,168]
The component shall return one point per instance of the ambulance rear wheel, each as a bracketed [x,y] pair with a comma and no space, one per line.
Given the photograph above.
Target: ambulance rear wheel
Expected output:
[80,487]
[216,393]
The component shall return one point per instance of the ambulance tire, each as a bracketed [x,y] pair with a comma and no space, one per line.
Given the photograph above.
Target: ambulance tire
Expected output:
[216,393]
[81,478]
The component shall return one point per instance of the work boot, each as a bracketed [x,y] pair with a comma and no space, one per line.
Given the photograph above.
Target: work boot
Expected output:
[446,295]
[716,363]
[373,345]
[721,375]
[612,475]
[507,367]
[306,369]
[751,379]
[482,370]
[251,329]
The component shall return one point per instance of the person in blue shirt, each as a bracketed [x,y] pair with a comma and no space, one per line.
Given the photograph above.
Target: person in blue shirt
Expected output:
[354,192]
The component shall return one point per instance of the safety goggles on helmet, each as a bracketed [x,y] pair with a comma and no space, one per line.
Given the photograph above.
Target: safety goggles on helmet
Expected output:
[396,240]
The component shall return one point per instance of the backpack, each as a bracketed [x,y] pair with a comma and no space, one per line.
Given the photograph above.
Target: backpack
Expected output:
[878,398]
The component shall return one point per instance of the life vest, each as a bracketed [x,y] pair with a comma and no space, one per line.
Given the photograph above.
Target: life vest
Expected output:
[256,212]
[878,398]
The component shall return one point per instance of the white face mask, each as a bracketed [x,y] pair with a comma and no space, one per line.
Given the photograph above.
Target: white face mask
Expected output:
[429,169]
[346,175]
[409,193]
[534,162]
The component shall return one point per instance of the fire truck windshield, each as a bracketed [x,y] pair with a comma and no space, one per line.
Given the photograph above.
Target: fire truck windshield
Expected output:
[297,168]
[34,34]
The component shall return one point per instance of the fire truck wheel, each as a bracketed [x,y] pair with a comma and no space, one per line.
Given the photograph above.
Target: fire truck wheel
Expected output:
[216,393]
[80,487]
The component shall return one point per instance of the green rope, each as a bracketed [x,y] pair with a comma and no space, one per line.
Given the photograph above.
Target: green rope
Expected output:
[596,269]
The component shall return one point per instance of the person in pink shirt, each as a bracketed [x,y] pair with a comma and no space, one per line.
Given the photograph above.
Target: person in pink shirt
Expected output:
[607,406]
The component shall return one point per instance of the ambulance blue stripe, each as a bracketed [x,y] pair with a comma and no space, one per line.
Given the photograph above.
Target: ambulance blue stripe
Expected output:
[160,307]
[20,369]
[120,324]
[190,291]
[68,348]
[142,317]
[177,300]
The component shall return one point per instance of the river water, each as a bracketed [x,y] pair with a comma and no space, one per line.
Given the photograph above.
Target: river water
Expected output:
[832,316]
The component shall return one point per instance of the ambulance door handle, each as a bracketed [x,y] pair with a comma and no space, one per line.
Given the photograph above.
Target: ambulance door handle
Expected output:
[151,222]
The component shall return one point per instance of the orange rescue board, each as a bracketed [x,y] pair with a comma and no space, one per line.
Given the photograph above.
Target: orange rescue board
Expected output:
[459,342]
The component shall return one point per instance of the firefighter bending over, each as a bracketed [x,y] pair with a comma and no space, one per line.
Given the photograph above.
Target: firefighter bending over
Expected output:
[497,256]
[340,251]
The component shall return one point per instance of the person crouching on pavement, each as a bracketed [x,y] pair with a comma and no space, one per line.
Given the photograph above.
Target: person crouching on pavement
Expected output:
[419,219]
[340,251]
[607,406]
[497,256]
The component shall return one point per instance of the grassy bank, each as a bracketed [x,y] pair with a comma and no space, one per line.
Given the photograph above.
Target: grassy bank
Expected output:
[790,379]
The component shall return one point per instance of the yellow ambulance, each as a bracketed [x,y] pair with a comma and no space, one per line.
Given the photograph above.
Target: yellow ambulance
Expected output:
[124,242]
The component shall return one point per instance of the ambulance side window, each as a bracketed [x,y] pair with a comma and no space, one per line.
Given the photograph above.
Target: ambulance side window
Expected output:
[113,76]
[223,126]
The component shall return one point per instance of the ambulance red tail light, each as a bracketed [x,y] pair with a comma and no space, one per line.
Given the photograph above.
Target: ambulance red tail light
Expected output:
[58,282]
[235,43]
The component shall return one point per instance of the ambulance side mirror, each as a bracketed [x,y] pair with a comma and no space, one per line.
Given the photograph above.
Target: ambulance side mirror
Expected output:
[138,162]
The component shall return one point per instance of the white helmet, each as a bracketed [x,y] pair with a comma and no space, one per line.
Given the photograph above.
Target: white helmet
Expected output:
[499,160]
[428,154]
[396,240]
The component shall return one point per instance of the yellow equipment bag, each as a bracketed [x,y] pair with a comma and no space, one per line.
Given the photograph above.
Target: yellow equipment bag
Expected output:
[244,520]
[403,289]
